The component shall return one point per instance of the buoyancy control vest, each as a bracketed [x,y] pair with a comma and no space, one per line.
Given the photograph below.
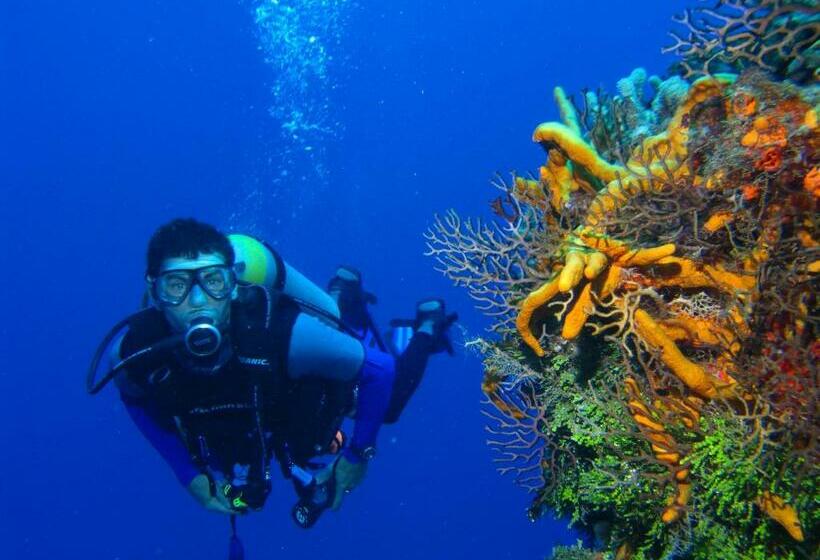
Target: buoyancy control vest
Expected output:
[240,407]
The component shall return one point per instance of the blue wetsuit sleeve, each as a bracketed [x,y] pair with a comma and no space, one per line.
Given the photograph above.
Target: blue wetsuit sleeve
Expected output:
[167,443]
[375,387]
[163,438]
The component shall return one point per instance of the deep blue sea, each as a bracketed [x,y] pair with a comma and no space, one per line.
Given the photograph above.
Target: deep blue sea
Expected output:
[335,130]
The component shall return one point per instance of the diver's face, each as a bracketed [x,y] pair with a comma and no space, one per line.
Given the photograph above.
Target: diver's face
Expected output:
[197,303]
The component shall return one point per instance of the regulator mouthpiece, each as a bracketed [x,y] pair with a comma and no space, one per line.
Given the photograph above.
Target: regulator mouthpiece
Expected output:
[202,338]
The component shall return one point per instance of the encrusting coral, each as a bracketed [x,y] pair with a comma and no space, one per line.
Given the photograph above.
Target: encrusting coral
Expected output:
[662,271]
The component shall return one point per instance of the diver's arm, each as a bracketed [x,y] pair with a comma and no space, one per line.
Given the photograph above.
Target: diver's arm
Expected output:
[166,442]
[173,451]
[160,433]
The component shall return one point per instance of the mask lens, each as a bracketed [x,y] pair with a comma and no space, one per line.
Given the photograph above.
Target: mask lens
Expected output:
[217,281]
[173,286]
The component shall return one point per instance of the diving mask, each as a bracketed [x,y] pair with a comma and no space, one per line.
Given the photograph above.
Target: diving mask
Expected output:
[173,286]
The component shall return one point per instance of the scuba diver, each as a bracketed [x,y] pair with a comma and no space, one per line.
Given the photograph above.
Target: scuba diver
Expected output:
[238,359]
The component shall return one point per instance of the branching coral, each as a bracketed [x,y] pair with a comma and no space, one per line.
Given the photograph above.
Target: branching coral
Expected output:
[495,260]
[518,420]
[694,258]
[779,36]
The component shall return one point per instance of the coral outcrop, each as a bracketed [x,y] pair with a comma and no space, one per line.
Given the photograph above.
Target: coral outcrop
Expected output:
[654,293]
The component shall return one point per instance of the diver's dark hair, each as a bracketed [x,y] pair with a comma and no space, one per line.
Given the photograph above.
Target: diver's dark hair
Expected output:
[186,238]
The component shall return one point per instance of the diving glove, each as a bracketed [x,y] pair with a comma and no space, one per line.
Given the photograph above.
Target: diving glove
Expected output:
[246,497]
[431,317]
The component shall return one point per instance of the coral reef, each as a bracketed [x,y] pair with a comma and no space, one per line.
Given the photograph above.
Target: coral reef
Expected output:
[778,36]
[654,298]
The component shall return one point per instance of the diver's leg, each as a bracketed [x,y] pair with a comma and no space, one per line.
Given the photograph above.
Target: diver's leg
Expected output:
[410,366]
[430,337]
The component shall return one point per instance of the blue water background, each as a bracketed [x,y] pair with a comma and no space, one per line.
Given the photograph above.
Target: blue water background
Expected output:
[118,116]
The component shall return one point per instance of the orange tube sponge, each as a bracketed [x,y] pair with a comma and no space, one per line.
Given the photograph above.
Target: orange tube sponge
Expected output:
[620,252]
[615,195]
[610,247]
[532,302]
[718,220]
[677,131]
[647,423]
[595,264]
[581,310]
[685,273]
[577,263]
[557,174]
[573,271]
[678,502]
[700,331]
[642,257]
[692,375]
[663,439]
[776,508]
[567,110]
[576,150]
[811,182]
[577,316]
[670,457]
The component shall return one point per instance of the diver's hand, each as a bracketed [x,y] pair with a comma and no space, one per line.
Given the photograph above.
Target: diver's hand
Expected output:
[347,475]
[200,489]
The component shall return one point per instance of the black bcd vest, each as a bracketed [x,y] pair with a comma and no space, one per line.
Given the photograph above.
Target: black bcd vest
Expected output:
[242,408]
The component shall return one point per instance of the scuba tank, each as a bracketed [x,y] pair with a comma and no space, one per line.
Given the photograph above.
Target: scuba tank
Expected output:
[258,263]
